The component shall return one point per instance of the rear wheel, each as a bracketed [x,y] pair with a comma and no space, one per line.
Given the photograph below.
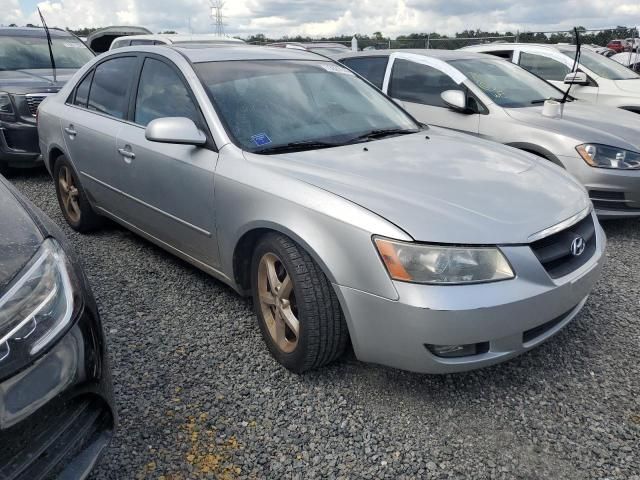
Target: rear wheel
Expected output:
[298,311]
[75,207]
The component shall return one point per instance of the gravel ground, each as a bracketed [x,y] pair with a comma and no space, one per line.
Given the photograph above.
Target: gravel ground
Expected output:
[200,397]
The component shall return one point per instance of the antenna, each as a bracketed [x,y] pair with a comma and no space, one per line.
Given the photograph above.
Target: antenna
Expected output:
[576,62]
[49,44]
[216,15]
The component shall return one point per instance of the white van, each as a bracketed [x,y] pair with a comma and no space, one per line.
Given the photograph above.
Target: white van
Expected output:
[170,39]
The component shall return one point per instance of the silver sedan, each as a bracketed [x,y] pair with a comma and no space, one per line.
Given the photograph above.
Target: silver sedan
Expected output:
[492,98]
[292,180]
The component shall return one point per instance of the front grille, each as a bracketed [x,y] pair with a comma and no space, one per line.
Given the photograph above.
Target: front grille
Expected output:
[607,200]
[34,101]
[554,251]
[42,445]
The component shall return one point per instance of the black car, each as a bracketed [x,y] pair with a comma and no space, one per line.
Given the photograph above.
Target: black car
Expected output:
[27,78]
[56,398]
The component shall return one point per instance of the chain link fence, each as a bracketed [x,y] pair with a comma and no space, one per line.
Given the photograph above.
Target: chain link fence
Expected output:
[595,37]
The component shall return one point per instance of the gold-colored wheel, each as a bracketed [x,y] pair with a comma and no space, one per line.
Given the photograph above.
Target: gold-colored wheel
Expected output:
[69,194]
[278,302]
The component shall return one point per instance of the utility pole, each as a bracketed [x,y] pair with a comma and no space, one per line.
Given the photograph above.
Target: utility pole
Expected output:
[216,16]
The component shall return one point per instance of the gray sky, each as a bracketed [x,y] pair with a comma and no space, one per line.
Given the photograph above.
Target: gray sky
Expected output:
[329,17]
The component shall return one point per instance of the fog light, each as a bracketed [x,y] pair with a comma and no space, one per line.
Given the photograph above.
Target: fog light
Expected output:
[455,351]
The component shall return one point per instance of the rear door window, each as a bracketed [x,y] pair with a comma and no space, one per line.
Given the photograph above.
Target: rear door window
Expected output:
[371,68]
[82,91]
[110,88]
[417,83]
[544,67]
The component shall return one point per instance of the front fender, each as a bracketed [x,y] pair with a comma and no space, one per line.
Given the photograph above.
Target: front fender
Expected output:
[335,232]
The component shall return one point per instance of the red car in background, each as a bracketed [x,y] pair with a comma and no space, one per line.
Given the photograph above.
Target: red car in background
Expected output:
[619,46]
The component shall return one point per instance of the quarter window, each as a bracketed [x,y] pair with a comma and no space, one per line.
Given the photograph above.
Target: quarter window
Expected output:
[543,67]
[162,93]
[82,91]
[110,88]
[371,68]
[417,83]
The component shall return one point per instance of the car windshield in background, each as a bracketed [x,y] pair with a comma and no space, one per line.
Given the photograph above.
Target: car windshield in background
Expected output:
[329,50]
[601,65]
[269,106]
[30,53]
[506,84]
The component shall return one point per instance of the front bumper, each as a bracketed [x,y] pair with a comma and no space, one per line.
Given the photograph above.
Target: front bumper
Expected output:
[57,415]
[510,317]
[614,193]
[19,144]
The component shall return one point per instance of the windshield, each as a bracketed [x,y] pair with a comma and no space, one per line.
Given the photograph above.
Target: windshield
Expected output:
[26,53]
[601,65]
[269,103]
[329,50]
[507,84]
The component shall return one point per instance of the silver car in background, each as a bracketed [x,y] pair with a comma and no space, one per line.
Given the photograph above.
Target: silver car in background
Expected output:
[605,82]
[494,99]
[294,181]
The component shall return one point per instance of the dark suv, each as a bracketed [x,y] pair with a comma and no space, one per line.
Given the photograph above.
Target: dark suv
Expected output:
[26,78]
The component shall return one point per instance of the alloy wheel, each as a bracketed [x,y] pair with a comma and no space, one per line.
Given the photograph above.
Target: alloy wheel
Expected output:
[278,302]
[69,194]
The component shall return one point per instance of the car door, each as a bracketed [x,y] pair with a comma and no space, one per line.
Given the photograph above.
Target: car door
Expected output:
[553,70]
[169,186]
[94,115]
[418,87]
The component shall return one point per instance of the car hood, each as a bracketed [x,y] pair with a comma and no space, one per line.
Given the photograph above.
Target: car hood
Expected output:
[586,123]
[449,187]
[20,238]
[21,81]
[631,86]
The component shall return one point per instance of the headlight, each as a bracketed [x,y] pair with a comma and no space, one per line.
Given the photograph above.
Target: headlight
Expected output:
[435,264]
[36,308]
[604,156]
[6,106]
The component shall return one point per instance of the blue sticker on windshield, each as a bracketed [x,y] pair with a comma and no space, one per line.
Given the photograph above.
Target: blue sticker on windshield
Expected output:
[261,139]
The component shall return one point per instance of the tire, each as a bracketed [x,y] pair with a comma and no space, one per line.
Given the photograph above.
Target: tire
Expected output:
[322,333]
[76,209]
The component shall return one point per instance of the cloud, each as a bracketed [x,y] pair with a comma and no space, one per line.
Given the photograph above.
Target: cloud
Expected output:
[330,17]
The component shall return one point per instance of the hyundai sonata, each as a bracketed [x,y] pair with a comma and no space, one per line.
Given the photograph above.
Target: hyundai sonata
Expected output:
[292,180]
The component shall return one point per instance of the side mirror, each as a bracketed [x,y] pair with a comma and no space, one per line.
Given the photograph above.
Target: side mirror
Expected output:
[576,78]
[456,100]
[178,130]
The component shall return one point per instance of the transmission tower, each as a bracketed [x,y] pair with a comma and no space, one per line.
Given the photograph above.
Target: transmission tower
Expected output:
[216,15]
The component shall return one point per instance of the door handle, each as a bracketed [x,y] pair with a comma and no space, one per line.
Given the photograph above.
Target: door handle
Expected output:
[70,131]
[127,154]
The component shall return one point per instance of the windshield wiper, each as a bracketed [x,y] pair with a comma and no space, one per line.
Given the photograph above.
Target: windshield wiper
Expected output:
[542,100]
[380,133]
[296,147]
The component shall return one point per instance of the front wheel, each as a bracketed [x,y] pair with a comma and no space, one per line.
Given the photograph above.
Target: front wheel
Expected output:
[298,311]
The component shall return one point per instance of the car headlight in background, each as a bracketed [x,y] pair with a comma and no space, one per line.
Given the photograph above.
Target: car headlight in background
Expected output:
[37,307]
[604,156]
[441,265]
[6,106]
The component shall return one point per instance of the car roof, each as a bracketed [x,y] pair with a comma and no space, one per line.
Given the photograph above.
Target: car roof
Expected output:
[443,55]
[219,53]
[32,32]
[179,38]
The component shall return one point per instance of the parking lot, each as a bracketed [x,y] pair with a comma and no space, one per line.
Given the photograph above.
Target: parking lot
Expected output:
[199,396]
